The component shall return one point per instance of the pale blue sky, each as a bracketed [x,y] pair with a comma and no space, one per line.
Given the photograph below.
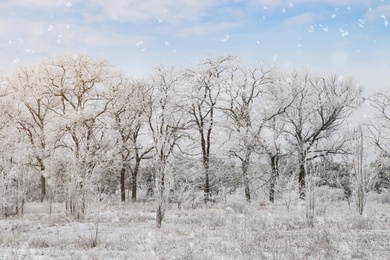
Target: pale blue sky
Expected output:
[344,36]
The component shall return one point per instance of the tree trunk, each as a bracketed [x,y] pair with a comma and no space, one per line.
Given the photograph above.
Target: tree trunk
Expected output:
[244,167]
[43,188]
[301,179]
[274,174]
[134,174]
[159,216]
[122,184]
[247,189]
[206,185]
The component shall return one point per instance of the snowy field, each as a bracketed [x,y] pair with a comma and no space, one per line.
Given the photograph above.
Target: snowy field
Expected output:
[231,230]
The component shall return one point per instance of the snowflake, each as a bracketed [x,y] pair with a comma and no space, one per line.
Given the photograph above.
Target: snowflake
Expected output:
[226,38]
[385,23]
[343,33]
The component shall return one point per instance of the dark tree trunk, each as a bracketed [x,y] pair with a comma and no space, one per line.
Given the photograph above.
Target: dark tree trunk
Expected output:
[206,182]
[244,166]
[122,184]
[247,189]
[43,188]
[274,173]
[301,179]
[134,174]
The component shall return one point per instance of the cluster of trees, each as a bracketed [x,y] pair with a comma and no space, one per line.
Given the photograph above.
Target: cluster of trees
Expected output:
[81,128]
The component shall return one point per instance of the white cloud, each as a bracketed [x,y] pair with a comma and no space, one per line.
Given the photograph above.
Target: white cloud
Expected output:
[302,19]
[135,10]
[32,4]
[376,13]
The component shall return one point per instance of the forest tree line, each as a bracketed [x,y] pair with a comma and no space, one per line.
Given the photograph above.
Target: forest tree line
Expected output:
[75,128]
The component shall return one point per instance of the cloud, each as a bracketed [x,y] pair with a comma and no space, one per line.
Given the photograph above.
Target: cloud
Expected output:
[302,19]
[33,4]
[377,13]
[207,28]
[136,10]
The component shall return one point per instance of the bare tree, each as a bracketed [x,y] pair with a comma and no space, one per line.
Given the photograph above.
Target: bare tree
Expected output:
[79,84]
[128,110]
[358,172]
[205,84]
[317,115]
[254,99]
[166,122]
[35,104]
[379,128]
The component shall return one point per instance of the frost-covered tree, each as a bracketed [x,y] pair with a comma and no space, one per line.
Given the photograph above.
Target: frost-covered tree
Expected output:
[205,83]
[35,106]
[318,114]
[253,99]
[166,122]
[128,113]
[80,86]
[379,127]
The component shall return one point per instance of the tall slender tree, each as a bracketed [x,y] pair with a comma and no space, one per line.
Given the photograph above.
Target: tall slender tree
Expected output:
[205,83]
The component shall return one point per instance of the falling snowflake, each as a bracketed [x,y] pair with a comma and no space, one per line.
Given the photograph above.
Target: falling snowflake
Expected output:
[68,4]
[139,43]
[291,5]
[385,22]
[311,29]
[333,16]
[226,38]
[343,33]
[284,10]
[15,61]
[49,28]
[361,23]
[166,43]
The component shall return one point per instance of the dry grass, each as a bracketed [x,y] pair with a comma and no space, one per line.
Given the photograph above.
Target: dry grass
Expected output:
[219,231]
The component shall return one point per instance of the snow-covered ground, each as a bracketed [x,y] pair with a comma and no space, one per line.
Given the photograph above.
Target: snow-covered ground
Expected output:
[232,230]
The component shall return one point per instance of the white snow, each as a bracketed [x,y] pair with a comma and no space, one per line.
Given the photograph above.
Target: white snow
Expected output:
[385,22]
[226,38]
[343,33]
[15,61]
